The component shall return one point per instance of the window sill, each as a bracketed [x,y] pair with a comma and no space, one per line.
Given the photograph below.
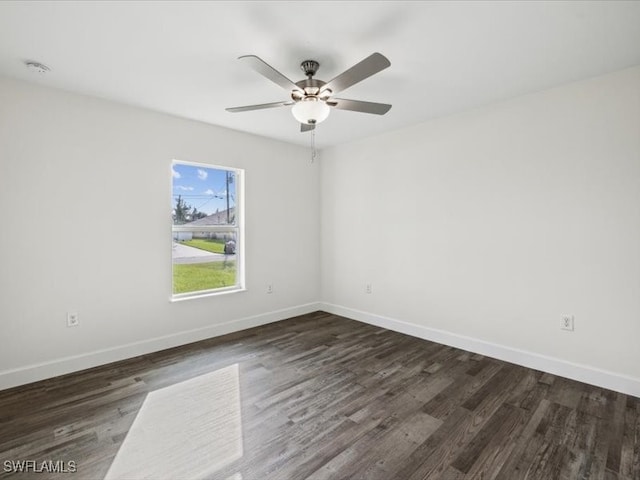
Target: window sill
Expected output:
[193,296]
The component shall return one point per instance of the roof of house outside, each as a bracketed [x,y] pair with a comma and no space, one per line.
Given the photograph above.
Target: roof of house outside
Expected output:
[218,218]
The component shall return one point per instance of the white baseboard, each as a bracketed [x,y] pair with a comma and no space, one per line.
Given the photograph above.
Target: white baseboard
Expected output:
[61,366]
[582,373]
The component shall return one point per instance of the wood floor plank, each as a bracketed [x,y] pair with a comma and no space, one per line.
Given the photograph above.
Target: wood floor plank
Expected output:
[630,450]
[500,443]
[431,459]
[512,468]
[614,452]
[324,397]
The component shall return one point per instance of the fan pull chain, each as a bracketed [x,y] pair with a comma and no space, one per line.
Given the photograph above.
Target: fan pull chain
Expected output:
[313,145]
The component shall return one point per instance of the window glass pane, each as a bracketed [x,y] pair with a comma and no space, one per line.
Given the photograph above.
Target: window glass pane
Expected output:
[203,260]
[203,195]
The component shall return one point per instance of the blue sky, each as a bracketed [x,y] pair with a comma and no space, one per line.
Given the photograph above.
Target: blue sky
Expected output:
[202,187]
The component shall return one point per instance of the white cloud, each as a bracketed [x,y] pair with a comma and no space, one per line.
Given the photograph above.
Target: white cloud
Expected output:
[184,189]
[174,173]
[209,192]
[202,174]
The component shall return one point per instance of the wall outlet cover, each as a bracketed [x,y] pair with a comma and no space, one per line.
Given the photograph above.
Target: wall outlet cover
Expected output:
[567,323]
[73,320]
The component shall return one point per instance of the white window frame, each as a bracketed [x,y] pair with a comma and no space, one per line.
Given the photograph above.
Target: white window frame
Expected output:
[237,228]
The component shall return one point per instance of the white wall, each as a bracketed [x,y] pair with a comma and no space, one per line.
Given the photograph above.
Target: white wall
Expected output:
[483,228]
[85,194]
[477,230]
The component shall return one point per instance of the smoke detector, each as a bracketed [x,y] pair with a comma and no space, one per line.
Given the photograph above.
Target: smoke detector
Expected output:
[37,67]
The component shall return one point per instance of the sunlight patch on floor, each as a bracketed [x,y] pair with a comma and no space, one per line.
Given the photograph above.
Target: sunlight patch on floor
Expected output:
[188,430]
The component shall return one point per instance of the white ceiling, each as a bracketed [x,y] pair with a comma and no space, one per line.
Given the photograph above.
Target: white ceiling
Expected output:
[180,57]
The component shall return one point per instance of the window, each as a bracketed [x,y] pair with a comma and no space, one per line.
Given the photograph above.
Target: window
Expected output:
[207,234]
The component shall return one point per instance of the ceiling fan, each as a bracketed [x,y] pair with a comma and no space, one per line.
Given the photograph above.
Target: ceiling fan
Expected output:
[312,99]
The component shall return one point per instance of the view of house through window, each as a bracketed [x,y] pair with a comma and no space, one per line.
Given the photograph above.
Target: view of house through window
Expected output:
[206,229]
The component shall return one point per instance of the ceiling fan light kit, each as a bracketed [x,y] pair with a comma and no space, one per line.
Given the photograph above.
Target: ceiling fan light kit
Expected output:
[312,99]
[310,111]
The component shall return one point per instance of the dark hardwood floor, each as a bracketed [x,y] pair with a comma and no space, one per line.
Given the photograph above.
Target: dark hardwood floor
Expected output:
[323,397]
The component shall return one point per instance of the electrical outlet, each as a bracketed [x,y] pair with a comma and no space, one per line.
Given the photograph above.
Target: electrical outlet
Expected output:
[269,288]
[367,288]
[73,320]
[566,322]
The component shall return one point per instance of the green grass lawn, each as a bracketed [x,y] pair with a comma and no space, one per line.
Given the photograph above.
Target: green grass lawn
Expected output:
[194,277]
[215,245]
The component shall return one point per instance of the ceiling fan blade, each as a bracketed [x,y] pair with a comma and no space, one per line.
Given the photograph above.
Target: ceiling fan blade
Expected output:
[359,106]
[259,107]
[268,71]
[371,65]
[304,127]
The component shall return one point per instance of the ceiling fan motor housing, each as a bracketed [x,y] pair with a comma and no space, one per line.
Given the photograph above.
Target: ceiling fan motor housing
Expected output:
[311,87]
